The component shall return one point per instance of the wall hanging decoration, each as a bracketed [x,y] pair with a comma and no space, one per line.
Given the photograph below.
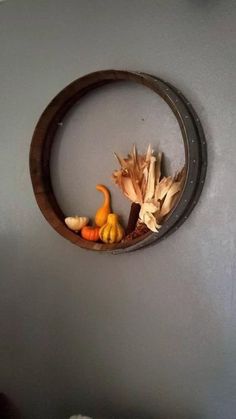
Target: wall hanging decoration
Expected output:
[159,203]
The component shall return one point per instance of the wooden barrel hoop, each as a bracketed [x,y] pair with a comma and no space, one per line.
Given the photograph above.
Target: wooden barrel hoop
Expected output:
[44,134]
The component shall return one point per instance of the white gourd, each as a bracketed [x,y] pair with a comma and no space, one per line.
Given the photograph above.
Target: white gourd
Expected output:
[76,223]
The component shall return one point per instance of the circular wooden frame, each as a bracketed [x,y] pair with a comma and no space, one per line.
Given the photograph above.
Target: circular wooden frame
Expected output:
[44,134]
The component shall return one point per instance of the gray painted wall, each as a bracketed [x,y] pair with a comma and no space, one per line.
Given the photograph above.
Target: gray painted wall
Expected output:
[146,335]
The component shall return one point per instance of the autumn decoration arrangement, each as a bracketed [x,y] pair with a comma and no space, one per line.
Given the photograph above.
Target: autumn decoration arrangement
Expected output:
[153,196]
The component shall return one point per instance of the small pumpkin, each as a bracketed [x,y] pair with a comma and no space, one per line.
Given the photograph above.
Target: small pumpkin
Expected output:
[76,223]
[90,233]
[102,213]
[112,231]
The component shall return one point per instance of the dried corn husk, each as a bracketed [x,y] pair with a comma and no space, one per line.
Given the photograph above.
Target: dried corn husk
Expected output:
[151,181]
[141,181]
[172,194]
[133,175]
[147,215]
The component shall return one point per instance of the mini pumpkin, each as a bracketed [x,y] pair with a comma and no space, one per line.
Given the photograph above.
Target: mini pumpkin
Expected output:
[90,233]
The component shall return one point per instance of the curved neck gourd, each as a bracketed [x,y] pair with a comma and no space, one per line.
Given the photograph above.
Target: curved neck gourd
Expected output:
[102,213]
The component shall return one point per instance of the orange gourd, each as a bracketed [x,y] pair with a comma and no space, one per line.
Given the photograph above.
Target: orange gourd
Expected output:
[102,213]
[90,233]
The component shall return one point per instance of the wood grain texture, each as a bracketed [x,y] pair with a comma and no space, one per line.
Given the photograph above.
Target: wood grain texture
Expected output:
[44,134]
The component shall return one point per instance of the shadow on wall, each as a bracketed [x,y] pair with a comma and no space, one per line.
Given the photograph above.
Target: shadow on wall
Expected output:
[169,363]
[133,414]
[183,362]
[137,415]
[9,411]
[206,4]
[7,408]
